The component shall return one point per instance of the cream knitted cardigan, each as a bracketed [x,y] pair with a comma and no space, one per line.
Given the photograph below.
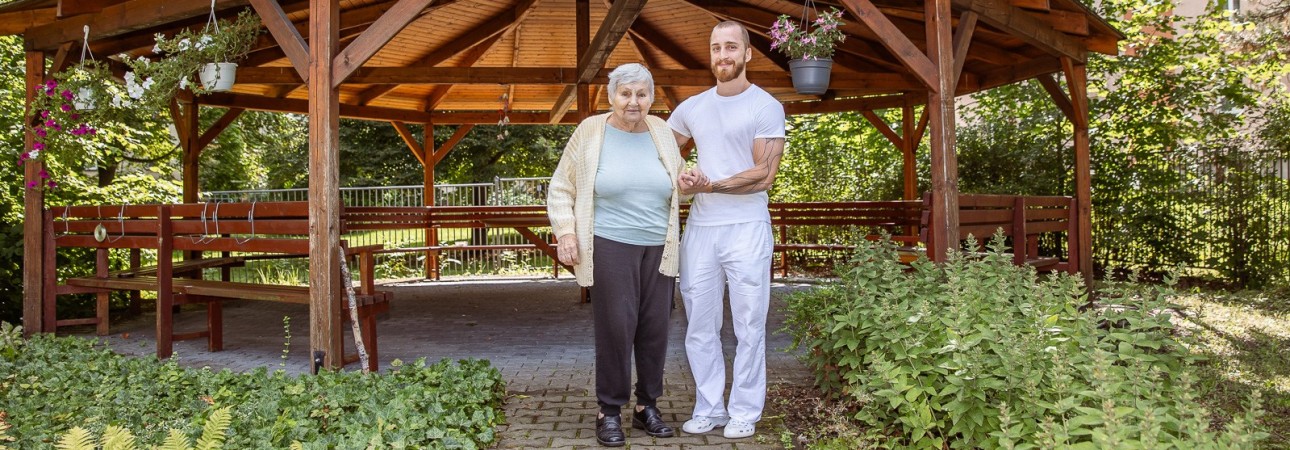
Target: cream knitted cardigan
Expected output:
[569,201]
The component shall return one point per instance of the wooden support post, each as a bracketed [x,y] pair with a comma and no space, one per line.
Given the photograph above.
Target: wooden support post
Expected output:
[165,284]
[1077,81]
[324,189]
[33,200]
[908,143]
[101,299]
[191,153]
[940,105]
[49,283]
[428,199]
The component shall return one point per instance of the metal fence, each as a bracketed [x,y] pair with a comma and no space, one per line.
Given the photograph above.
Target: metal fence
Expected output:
[501,192]
[1225,211]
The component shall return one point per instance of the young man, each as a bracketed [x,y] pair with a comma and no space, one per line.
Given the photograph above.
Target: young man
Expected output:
[738,129]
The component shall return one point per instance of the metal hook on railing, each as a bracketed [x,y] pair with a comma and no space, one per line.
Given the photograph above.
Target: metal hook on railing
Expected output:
[120,220]
[67,226]
[205,228]
[250,217]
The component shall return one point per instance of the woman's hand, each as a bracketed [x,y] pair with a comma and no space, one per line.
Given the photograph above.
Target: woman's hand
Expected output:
[567,249]
[693,181]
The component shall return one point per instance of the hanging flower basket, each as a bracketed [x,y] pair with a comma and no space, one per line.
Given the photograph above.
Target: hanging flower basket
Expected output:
[809,45]
[218,77]
[810,76]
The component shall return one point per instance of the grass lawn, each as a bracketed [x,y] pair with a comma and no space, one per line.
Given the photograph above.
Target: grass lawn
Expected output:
[1246,336]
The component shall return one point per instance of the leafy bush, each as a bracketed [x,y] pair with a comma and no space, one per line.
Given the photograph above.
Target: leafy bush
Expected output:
[444,405]
[979,353]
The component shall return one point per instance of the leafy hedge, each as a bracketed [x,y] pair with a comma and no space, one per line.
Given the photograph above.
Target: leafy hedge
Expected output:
[979,353]
[52,384]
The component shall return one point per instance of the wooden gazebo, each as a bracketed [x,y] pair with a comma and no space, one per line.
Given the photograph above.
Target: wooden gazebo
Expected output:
[452,62]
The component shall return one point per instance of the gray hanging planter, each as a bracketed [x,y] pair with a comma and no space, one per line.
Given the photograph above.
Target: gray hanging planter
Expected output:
[810,76]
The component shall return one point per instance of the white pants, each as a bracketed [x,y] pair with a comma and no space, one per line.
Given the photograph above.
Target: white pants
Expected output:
[711,256]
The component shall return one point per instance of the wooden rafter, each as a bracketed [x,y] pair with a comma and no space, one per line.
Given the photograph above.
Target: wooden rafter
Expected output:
[895,41]
[854,53]
[467,59]
[416,147]
[19,21]
[285,34]
[485,35]
[375,37]
[962,41]
[1024,26]
[882,127]
[450,144]
[119,19]
[611,31]
[218,127]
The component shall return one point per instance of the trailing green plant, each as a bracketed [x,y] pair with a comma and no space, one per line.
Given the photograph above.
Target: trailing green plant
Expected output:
[980,353]
[444,405]
[118,438]
[155,82]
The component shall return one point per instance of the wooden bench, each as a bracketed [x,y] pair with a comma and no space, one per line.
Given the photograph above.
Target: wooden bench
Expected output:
[1022,219]
[899,219]
[256,230]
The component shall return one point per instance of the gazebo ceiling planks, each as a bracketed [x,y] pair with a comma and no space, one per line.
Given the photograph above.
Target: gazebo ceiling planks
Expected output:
[451,61]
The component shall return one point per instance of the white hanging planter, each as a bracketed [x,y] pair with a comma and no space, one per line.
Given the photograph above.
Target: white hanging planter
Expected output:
[218,77]
[84,99]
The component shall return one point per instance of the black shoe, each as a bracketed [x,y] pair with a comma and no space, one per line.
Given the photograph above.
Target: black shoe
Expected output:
[609,431]
[650,420]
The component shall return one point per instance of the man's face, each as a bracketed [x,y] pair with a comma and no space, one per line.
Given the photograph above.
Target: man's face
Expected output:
[728,52]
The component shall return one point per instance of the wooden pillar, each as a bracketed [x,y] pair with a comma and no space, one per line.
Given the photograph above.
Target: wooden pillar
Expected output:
[940,108]
[908,143]
[428,198]
[33,270]
[324,188]
[191,152]
[1077,80]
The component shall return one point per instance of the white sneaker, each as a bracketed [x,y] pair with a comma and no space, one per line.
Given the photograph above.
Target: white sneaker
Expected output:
[703,424]
[738,429]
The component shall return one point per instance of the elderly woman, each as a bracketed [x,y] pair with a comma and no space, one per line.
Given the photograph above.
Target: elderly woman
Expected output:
[613,205]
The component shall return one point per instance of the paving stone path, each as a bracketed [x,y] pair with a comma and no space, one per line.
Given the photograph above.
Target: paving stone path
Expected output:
[534,331]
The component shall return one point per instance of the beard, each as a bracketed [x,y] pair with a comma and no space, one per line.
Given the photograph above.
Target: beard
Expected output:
[725,74]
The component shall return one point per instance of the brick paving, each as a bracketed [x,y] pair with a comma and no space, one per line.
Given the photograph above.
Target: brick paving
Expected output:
[534,331]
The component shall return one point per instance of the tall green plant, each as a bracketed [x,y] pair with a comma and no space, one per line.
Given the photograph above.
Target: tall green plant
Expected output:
[980,353]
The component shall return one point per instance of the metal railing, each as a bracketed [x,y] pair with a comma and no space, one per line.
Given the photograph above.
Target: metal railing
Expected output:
[501,192]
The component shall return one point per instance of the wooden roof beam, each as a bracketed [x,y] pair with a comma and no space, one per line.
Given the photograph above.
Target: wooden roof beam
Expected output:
[1024,26]
[962,40]
[845,105]
[617,21]
[68,8]
[854,53]
[119,19]
[18,22]
[391,76]
[643,31]
[285,34]
[895,41]
[468,59]
[374,38]
[487,35]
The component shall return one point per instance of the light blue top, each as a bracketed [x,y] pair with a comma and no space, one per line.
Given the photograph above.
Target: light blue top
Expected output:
[633,190]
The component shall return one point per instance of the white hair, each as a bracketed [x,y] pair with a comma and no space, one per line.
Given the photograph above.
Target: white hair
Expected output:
[630,73]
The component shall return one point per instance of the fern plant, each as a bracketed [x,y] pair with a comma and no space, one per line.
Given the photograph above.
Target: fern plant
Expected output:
[118,438]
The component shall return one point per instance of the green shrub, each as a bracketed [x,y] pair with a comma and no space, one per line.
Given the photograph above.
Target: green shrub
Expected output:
[980,353]
[51,384]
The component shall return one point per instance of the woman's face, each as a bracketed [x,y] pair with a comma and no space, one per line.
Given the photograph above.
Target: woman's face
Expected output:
[631,102]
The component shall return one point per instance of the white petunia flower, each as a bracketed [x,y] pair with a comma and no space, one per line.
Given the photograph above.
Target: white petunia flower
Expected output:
[34,154]
[183,83]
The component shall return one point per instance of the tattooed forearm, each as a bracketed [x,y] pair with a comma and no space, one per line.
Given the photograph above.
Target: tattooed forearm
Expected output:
[766,157]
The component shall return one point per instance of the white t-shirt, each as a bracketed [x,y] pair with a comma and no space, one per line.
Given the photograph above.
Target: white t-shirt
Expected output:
[723,130]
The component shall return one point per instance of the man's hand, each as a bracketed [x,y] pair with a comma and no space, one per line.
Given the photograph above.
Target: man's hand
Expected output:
[567,249]
[693,181]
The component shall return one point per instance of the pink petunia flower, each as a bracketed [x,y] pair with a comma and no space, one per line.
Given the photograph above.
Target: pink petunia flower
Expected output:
[38,146]
[52,184]
[65,107]
[41,132]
